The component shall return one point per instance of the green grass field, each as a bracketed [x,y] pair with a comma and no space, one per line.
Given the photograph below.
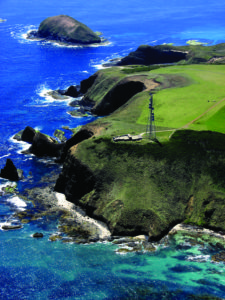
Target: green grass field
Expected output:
[176,107]
[195,101]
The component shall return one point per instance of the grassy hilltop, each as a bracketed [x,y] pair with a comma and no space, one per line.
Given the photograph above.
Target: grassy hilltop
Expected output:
[185,94]
[141,187]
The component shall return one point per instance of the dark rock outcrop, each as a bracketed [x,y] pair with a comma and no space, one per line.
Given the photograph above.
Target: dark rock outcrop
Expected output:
[45,146]
[17,136]
[118,95]
[80,136]
[11,227]
[219,257]
[60,135]
[148,55]
[10,172]
[87,83]
[25,135]
[75,180]
[38,235]
[65,29]
[28,134]
[71,92]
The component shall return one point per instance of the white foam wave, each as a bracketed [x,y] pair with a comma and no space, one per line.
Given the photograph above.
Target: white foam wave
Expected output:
[99,67]
[9,222]
[198,258]
[38,128]
[5,155]
[22,145]
[47,161]
[4,223]
[6,183]
[30,28]
[42,105]
[47,94]
[108,62]
[20,32]
[61,44]
[17,202]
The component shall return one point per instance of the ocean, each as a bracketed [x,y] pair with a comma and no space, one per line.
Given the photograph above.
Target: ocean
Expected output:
[37,268]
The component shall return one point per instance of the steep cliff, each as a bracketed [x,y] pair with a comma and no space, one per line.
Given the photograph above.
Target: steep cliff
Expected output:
[147,188]
[148,55]
[161,54]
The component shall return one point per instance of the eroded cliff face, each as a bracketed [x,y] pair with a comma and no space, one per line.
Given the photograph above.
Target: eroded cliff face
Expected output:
[118,95]
[161,54]
[105,93]
[148,55]
[147,189]
[75,180]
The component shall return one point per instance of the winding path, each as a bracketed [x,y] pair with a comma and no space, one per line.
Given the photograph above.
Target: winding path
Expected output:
[191,122]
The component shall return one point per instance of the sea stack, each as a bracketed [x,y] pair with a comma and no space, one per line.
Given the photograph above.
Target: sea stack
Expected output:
[65,29]
[10,172]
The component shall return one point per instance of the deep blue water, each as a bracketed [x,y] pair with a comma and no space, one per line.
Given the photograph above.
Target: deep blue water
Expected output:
[39,269]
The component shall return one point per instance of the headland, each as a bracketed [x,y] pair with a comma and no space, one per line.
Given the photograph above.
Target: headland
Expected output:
[147,187]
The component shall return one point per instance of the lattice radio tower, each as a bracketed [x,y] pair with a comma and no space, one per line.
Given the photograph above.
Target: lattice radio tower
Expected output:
[150,130]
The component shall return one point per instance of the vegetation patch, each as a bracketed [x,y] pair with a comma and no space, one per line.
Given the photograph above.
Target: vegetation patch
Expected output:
[144,187]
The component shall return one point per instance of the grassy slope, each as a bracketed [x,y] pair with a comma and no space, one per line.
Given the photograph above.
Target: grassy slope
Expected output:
[142,187]
[105,81]
[176,107]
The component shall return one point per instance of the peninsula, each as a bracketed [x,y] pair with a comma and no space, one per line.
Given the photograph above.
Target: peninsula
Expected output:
[140,186]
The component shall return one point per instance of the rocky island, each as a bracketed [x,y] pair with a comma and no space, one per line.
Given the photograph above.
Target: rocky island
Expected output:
[65,29]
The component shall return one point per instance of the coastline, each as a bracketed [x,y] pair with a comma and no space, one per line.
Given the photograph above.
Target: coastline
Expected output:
[74,225]
[196,229]
[100,228]
[79,215]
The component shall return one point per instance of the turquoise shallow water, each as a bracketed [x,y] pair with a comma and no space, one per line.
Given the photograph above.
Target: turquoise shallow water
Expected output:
[53,270]
[40,269]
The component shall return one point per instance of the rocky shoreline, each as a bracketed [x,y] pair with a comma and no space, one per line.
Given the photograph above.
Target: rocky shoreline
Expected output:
[197,229]
[84,184]
[75,226]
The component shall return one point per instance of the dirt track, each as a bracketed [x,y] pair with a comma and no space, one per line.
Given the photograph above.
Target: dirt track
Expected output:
[191,122]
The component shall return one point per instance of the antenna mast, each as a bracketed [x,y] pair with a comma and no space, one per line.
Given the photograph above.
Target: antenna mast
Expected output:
[150,130]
